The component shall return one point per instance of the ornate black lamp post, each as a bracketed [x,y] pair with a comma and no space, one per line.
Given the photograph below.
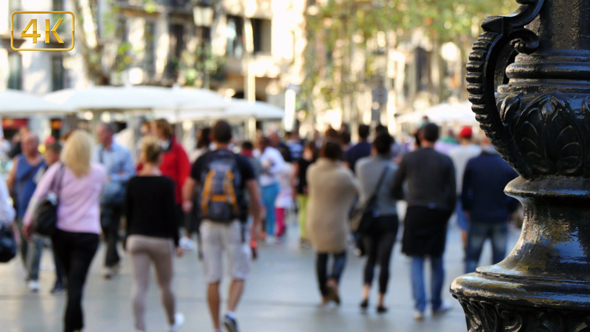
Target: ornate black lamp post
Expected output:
[529,82]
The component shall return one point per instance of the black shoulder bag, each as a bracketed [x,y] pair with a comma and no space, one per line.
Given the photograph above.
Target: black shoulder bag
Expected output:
[8,245]
[45,219]
[364,216]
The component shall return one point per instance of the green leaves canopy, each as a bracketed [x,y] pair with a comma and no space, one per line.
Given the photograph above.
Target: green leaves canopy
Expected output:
[338,22]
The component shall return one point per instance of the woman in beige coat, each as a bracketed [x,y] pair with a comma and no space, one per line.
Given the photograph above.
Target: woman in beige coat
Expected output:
[332,190]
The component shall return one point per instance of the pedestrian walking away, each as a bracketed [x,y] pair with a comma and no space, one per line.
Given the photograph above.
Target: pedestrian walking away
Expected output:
[276,142]
[375,175]
[486,206]
[272,165]
[224,179]
[22,182]
[187,242]
[175,165]
[332,191]
[299,182]
[460,156]
[431,194]
[152,234]
[75,240]
[284,202]
[248,152]
[294,144]
[118,162]
[360,150]
[192,234]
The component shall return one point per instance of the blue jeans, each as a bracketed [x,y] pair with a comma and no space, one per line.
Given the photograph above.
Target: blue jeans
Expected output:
[478,233]
[419,289]
[31,252]
[269,196]
[461,217]
[322,270]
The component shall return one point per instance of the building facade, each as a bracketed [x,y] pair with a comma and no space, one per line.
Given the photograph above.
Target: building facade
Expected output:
[249,48]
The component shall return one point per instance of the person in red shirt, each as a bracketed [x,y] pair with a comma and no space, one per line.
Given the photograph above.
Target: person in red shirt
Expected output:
[175,164]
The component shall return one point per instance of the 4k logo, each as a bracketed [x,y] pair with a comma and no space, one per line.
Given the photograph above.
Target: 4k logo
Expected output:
[31,31]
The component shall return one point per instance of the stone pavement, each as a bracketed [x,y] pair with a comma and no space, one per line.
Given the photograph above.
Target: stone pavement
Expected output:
[281,296]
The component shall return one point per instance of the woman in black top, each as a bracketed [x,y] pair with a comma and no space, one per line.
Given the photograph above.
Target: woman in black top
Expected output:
[152,234]
[299,183]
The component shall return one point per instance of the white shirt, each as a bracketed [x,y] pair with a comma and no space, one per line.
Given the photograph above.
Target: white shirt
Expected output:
[285,198]
[272,164]
[7,213]
[460,156]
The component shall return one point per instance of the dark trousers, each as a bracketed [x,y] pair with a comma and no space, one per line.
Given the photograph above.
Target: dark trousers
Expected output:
[59,270]
[378,245]
[478,233]
[75,251]
[322,270]
[111,221]
[193,219]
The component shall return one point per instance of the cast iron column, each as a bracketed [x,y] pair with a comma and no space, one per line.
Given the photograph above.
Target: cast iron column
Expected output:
[529,82]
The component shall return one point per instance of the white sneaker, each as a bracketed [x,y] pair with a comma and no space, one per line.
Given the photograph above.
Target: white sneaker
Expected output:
[419,316]
[111,272]
[33,286]
[187,244]
[178,321]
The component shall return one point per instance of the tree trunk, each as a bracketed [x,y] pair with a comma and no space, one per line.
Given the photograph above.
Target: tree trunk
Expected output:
[91,56]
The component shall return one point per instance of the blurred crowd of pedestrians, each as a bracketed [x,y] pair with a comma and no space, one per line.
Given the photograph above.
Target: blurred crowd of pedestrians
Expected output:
[225,196]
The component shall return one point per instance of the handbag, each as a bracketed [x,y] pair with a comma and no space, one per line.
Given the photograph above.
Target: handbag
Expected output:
[113,194]
[45,219]
[8,245]
[364,215]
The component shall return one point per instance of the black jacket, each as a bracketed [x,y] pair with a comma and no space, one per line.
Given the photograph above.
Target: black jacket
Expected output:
[430,178]
[483,195]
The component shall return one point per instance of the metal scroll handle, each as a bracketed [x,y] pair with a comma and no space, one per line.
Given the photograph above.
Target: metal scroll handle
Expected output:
[496,48]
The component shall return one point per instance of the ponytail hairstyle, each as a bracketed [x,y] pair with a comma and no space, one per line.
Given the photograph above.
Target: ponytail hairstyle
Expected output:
[151,150]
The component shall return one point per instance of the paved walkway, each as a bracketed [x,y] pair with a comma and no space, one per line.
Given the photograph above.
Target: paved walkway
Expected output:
[281,296]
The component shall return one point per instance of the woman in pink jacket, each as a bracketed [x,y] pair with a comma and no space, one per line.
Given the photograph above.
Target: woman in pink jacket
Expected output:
[79,184]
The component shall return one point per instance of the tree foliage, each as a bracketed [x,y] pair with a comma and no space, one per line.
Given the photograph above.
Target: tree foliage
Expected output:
[336,24]
[447,20]
[96,54]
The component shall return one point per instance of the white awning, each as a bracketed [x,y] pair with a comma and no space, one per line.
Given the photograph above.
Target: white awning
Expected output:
[19,103]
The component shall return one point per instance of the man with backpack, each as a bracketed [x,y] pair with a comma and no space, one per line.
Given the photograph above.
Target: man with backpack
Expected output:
[224,179]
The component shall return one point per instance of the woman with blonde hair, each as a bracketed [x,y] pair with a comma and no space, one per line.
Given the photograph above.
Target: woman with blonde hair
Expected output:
[152,233]
[78,184]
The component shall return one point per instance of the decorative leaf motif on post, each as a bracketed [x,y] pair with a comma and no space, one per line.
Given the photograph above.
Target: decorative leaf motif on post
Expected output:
[545,133]
[512,320]
[483,316]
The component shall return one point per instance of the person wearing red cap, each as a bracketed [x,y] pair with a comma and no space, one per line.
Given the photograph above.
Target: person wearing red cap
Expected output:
[460,156]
